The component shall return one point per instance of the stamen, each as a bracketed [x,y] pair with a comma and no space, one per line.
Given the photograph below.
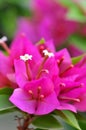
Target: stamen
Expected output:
[4,45]
[59,61]
[62,84]
[41,66]
[41,72]
[47,53]
[41,97]
[39,89]
[25,58]
[31,93]
[45,71]
[69,98]
[71,66]
[28,71]
[72,88]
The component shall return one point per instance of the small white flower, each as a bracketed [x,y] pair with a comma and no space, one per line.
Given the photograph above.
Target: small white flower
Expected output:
[49,54]
[3,39]
[26,57]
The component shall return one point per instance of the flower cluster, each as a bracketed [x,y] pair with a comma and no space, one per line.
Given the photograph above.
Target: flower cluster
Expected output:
[43,80]
[49,21]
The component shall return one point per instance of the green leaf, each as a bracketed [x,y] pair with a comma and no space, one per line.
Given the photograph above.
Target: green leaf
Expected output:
[82,124]
[10,10]
[67,3]
[76,14]
[82,5]
[7,91]
[68,127]
[5,105]
[6,21]
[40,129]
[74,11]
[69,118]
[81,116]
[46,122]
[77,59]
[79,41]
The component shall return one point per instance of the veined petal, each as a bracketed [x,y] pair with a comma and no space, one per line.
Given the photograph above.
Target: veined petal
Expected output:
[66,59]
[52,67]
[20,72]
[21,45]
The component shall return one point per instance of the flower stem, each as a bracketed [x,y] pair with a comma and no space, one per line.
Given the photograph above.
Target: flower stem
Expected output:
[24,124]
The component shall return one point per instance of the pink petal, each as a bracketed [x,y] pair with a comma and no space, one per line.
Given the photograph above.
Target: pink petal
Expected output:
[5,66]
[81,106]
[21,99]
[4,82]
[21,45]
[52,67]
[29,28]
[20,72]
[66,61]
[50,45]
[66,106]
[48,105]
[45,83]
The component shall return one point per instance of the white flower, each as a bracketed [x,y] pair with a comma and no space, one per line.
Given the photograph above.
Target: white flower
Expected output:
[3,39]
[49,54]
[26,57]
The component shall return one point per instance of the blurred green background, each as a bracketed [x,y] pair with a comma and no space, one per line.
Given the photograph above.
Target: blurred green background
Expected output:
[10,11]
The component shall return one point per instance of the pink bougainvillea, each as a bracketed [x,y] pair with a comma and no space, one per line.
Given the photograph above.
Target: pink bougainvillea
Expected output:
[48,80]
[49,21]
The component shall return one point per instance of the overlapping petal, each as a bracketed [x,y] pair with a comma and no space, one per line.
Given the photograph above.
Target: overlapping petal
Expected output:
[37,97]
